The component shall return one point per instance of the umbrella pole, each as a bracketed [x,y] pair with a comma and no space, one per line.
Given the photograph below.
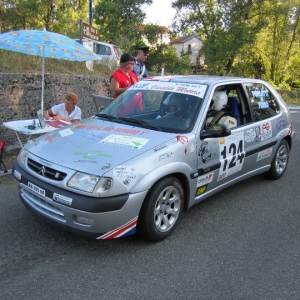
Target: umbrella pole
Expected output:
[43,75]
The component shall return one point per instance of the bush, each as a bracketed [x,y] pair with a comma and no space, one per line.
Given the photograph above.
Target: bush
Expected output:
[290,97]
[13,62]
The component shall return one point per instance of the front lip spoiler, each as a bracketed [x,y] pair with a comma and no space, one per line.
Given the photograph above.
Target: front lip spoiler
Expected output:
[64,227]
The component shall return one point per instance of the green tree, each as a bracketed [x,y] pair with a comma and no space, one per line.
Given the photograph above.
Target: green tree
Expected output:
[119,18]
[60,16]
[249,63]
[153,33]
[224,26]
[278,42]
[166,55]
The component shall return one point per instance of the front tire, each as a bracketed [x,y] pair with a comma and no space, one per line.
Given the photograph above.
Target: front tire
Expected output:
[161,210]
[280,161]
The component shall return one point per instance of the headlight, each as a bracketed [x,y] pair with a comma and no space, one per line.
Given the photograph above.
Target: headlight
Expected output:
[22,157]
[90,183]
[104,185]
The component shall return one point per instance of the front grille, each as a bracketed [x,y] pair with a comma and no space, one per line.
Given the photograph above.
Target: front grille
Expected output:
[45,171]
[42,206]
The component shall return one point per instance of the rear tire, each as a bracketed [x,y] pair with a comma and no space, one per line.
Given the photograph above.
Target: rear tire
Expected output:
[280,161]
[161,210]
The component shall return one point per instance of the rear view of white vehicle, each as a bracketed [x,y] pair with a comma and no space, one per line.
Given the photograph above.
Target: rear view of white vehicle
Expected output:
[108,54]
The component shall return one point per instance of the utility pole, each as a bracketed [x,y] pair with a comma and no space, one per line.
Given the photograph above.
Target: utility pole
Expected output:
[90,12]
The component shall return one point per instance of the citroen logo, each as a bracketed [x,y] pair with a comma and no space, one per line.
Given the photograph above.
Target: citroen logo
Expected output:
[42,171]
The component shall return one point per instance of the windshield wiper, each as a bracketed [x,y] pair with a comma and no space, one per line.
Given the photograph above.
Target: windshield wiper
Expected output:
[140,122]
[109,117]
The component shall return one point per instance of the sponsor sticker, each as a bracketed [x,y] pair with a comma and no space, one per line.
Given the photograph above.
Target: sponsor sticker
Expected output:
[264,154]
[263,104]
[184,88]
[66,132]
[266,131]
[201,190]
[205,179]
[62,199]
[182,139]
[160,147]
[125,141]
[250,135]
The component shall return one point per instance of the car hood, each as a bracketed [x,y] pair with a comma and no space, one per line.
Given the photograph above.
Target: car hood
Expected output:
[93,145]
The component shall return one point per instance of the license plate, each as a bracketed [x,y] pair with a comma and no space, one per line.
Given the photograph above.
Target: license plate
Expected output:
[36,189]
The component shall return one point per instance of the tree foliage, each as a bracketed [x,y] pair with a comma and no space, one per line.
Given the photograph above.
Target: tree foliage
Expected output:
[119,18]
[225,27]
[165,55]
[60,16]
[252,38]
[278,42]
[153,33]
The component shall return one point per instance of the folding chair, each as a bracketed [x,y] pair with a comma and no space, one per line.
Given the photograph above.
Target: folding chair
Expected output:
[100,102]
[2,143]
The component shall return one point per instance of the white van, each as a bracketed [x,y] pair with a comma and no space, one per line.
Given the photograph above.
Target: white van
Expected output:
[108,54]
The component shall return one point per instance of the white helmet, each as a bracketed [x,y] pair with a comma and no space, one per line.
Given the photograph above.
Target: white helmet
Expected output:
[178,100]
[220,100]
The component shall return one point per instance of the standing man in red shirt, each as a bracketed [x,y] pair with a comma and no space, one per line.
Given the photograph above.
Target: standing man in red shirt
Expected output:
[123,77]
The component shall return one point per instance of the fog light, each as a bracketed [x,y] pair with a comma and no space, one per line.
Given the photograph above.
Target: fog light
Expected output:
[83,220]
[17,175]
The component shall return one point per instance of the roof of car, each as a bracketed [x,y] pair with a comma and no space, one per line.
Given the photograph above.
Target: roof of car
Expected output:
[203,79]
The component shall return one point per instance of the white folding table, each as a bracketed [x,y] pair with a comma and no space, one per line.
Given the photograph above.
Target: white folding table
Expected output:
[21,126]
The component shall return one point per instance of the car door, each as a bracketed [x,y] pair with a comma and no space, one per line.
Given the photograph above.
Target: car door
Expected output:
[248,149]
[261,134]
[221,159]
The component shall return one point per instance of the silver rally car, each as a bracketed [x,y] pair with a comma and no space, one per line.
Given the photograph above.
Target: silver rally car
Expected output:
[162,146]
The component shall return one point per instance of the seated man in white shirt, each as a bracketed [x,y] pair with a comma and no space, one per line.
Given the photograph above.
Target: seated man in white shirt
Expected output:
[67,111]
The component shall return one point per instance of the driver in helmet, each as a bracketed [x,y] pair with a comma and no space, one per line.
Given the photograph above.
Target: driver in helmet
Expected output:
[177,105]
[220,112]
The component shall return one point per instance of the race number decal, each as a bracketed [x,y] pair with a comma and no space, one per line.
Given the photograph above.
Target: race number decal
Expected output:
[232,154]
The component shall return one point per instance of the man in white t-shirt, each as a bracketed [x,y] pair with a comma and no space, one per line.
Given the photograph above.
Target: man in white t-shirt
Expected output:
[67,111]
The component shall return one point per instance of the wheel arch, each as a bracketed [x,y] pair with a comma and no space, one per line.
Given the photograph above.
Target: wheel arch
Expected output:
[181,171]
[288,138]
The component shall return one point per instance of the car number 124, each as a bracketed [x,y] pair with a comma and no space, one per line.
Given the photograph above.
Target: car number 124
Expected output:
[232,154]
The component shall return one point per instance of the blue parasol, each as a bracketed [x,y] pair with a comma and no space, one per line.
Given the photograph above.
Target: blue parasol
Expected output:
[45,44]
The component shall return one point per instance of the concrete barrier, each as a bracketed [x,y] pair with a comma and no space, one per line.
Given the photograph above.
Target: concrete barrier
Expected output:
[20,97]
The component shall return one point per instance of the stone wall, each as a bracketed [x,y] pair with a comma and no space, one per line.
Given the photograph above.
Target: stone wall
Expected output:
[20,97]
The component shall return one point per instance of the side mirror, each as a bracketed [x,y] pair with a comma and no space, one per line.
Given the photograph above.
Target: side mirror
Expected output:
[215,131]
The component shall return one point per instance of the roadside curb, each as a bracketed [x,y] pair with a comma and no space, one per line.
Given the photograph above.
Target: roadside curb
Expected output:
[2,173]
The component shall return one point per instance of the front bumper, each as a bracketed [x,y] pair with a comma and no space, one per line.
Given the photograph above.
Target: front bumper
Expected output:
[109,217]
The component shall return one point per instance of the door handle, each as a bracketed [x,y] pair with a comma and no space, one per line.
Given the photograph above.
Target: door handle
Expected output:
[257,133]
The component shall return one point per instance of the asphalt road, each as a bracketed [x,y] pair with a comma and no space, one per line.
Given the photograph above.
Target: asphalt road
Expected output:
[243,243]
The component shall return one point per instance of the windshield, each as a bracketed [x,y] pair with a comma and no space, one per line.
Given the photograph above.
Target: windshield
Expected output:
[164,106]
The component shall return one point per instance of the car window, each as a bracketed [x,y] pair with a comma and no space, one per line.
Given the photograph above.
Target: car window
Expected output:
[262,101]
[102,49]
[171,107]
[236,107]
